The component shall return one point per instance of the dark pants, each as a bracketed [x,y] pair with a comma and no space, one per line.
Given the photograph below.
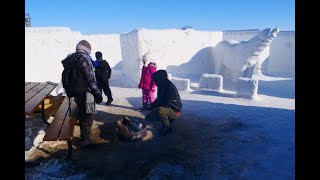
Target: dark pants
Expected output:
[106,89]
[85,119]
[165,115]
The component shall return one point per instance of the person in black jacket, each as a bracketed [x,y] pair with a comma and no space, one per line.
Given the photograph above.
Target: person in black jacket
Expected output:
[103,74]
[86,102]
[167,106]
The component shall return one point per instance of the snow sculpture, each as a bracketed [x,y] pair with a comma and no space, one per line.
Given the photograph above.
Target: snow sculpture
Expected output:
[234,60]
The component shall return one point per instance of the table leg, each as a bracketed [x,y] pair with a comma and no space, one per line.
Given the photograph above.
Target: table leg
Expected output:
[70,149]
[42,114]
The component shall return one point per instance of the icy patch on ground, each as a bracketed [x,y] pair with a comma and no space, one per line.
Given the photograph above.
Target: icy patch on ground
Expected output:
[168,171]
[55,169]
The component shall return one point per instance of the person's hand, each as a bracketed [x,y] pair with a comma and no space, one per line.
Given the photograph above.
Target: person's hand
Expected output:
[99,99]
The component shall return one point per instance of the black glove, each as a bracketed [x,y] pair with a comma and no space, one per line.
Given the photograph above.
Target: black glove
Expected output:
[98,99]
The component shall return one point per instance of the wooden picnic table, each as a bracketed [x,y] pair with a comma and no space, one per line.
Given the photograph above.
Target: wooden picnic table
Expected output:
[35,93]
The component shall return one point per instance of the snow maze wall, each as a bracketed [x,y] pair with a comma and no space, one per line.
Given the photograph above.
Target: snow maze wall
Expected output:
[180,52]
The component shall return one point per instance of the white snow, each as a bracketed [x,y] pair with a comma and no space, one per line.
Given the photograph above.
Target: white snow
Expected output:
[211,82]
[181,83]
[253,138]
[247,87]
[46,47]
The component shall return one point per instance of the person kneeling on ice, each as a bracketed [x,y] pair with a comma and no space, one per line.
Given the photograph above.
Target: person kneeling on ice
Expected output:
[166,108]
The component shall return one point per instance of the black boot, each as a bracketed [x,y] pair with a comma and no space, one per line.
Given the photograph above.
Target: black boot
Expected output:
[109,101]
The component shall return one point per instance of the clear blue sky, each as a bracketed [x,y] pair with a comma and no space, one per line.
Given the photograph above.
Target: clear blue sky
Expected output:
[119,16]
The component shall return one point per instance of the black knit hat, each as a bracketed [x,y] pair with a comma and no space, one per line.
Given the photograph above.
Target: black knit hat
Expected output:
[98,55]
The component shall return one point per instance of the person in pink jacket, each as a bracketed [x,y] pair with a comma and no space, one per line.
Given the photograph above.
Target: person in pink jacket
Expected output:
[146,83]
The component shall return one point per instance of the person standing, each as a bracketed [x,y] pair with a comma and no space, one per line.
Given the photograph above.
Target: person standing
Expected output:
[103,74]
[86,100]
[146,83]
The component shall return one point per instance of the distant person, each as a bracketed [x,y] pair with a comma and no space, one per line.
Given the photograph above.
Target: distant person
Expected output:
[146,83]
[90,95]
[166,108]
[103,74]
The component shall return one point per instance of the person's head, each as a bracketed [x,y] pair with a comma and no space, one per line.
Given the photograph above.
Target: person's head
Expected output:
[146,59]
[84,45]
[98,55]
[160,77]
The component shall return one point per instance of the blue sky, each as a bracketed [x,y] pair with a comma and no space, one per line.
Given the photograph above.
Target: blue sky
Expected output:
[120,16]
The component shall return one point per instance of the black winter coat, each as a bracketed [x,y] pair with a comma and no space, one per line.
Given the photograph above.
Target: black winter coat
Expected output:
[103,72]
[167,95]
[84,66]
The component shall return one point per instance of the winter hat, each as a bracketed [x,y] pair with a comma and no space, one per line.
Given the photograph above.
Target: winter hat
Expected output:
[147,57]
[98,55]
[84,45]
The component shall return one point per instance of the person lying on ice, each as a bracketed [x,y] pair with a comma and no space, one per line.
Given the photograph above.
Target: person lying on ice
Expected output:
[166,108]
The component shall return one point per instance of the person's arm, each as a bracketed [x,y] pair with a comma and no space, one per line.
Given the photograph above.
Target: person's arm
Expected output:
[88,75]
[152,84]
[141,77]
[108,69]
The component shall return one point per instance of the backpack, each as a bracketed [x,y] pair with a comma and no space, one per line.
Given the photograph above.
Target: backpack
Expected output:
[72,79]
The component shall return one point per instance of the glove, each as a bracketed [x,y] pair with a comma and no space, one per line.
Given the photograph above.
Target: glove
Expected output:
[99,99]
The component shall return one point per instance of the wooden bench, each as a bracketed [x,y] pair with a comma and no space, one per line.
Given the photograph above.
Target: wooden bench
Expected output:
[35,93]
[62,126]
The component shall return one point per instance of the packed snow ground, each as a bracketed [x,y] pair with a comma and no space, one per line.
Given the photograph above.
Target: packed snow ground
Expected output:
[218,136]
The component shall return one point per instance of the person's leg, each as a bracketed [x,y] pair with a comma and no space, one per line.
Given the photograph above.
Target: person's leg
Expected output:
[85,120]
[107,91]
[85,127]
[166,116]
[152,116]
[145,94]
[151,97]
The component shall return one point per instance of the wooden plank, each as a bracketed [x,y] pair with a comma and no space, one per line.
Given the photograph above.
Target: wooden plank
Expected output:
[30,86]
[32,104]
[56,124]
[68,124]
[32,92]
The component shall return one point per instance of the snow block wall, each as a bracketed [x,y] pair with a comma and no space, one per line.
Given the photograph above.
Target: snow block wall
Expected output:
[45,47]
[182,53]
[169,48]
[282,55]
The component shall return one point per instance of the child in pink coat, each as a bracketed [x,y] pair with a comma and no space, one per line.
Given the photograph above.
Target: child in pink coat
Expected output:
[146,83]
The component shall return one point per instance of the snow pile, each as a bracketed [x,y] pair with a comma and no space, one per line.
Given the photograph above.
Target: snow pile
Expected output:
[34,133]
